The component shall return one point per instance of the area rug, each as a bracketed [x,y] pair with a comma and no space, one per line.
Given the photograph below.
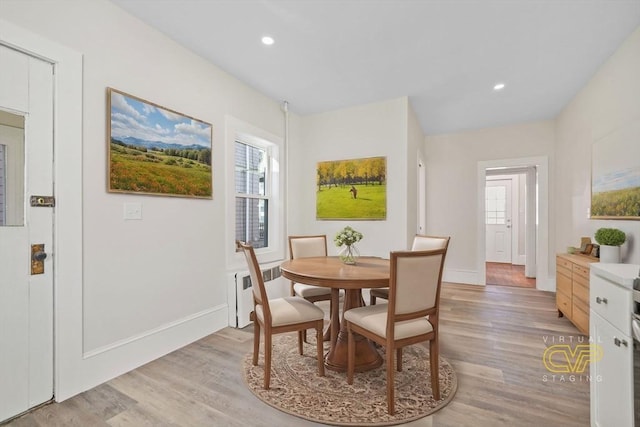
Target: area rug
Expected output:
[297,389]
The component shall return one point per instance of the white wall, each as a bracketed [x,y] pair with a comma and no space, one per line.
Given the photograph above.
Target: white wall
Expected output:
[153,285]
[452,162]
[378,129]
[608,104]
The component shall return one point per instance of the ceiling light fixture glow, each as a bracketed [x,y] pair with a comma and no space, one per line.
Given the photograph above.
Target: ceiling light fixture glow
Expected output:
[498,86]
[267,40]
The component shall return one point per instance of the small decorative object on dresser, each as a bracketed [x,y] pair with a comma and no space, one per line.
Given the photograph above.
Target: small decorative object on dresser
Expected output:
[572,288]
[610,240]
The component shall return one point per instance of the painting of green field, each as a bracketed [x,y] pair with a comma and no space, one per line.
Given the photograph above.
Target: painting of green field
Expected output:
[615,174]
[623,203]
[157,151]
[136,169]
[338,202]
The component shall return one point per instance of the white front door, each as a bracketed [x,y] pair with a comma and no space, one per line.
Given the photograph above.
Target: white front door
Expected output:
[26,300]
[498,220]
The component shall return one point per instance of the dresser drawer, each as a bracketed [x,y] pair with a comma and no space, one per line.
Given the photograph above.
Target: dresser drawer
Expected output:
[561,262]
[581,271]
[563,270]
[584,281]
[580,305]
[612,302]
[563,302]
[563,284]
[580,318]
[581,292]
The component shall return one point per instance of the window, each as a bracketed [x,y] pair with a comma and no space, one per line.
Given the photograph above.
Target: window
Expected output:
[252,194]
[255,193]
[496,205]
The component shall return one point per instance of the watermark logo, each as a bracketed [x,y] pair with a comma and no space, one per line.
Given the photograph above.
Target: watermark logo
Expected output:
[567,359]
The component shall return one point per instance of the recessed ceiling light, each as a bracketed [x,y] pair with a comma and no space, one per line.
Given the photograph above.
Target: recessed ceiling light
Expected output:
[267,40]
[498,86]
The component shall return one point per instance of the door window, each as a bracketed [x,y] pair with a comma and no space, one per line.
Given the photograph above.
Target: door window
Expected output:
[496,205]
[11,169]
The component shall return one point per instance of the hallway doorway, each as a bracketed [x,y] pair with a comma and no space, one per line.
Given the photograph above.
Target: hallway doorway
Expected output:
[535,213]
[505,221]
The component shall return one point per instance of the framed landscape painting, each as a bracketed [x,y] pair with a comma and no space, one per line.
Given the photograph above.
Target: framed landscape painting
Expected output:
[615,175]
[352,189]
[155,150]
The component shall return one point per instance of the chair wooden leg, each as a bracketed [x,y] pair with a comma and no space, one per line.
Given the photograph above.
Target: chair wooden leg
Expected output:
[267,358]
[399,359]
[304,336]
[320,349]
[372,300]
[351,354]
[300,339]
[256,342]
[435,368]
[391,408]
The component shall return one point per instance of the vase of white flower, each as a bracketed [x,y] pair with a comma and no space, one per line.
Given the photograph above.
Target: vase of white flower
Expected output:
[349,254]
[346,239]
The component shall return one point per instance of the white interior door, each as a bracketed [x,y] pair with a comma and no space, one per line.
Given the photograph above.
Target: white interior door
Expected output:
[26,300]
[498,220]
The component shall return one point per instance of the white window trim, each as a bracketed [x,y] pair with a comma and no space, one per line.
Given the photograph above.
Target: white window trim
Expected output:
[237,130]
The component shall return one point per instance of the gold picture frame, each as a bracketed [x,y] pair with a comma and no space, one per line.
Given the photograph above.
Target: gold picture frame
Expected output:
[354,189]
[615,175]
[157,151]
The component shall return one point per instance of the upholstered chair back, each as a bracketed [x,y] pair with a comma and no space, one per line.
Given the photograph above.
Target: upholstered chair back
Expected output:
[307,246]
[415,280]
[425,243]
[257,282]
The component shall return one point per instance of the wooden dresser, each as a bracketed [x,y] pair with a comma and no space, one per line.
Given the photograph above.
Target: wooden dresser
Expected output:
[572,288]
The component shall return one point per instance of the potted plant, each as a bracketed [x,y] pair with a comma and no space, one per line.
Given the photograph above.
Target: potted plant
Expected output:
[610,240]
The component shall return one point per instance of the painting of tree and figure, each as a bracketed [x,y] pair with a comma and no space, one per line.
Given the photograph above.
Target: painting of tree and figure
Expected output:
[352,189]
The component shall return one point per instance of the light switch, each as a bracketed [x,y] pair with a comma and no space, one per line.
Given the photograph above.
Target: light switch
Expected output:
[133,211]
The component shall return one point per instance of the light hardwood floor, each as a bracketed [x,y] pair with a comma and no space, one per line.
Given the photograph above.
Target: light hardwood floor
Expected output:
[508,275]
[494,337]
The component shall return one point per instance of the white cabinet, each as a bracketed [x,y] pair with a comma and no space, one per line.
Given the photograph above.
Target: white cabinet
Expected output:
[612,302]
[611,308]
[611,376]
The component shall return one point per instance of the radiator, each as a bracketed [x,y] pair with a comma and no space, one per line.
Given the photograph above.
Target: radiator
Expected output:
[276,285]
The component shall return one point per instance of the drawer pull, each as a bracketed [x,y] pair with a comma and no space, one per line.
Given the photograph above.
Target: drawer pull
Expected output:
[601,300]
[618,341]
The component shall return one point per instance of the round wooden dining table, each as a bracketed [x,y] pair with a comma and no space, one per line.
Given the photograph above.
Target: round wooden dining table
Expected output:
[330,272]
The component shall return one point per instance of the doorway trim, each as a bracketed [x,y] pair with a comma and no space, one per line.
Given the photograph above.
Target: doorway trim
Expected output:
[67,231]
[542,232]
[422,195]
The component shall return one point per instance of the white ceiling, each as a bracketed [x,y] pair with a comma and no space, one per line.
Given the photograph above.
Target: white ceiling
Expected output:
[445,55]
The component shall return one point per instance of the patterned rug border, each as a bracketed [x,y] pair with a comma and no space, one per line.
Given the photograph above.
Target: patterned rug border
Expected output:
[285,352]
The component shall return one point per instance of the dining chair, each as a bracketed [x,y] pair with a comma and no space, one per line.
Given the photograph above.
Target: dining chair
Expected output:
[305,247]
[420,243]
[279,315]
[410,317]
